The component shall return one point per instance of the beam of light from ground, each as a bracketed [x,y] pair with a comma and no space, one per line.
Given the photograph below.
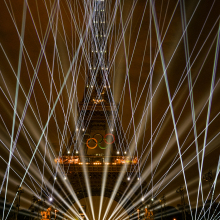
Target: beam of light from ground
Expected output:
[16,99]
[186,48]
[127,195]
[184,153]
[123,169]
[214,214]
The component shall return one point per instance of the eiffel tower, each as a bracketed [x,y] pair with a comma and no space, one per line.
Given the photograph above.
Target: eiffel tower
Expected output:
[98,139]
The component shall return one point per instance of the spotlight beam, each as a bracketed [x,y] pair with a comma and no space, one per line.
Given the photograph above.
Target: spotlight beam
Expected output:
[16,99]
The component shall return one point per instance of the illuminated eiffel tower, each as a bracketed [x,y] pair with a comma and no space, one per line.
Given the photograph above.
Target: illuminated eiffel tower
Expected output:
[95,133]
[95,143]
